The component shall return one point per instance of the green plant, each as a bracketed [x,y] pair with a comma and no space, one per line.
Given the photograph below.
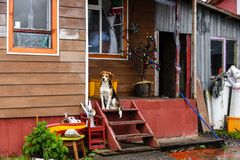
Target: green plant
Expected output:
[42,143]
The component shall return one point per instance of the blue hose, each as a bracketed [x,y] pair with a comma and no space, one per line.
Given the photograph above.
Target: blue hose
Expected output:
[214,134]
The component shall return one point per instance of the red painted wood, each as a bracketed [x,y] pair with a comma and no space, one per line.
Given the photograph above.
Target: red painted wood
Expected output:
[13,131]
[165,117]
[229,5]
[112,142]
[188,67]
[168,117]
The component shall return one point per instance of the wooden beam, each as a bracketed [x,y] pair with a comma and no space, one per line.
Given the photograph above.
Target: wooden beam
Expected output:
[194,47]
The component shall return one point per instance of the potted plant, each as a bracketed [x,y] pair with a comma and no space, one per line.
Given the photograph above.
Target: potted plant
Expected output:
[143,57]
[41,143]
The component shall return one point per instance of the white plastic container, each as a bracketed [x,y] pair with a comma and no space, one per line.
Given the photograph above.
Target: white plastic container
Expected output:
[235,101]
[220,107]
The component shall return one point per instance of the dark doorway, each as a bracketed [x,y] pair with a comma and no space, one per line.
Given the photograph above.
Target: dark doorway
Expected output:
[167,59]
[167,73]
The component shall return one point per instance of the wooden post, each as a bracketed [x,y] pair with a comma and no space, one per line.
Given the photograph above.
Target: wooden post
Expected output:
[177,42]
[193,47]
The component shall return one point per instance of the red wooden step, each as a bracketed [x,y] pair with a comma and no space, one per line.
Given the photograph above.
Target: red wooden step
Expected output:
[124,110]
[97,141]
[133,136]
[115,123]
[99,146]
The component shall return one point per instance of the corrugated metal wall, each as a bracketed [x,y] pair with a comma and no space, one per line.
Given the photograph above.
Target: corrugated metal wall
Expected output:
[209,24]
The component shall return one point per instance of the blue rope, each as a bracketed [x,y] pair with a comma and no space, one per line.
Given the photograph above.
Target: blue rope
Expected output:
[214,134]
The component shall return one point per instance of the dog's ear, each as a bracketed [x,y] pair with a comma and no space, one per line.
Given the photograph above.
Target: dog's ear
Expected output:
[111,75]
[102,73]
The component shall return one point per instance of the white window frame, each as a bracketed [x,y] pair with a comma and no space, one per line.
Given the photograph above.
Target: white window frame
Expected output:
[224,47]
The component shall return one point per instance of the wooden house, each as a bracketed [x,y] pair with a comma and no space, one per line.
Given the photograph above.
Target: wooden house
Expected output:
[50,49]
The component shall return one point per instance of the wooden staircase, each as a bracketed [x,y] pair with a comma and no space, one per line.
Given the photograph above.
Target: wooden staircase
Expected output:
[131,132]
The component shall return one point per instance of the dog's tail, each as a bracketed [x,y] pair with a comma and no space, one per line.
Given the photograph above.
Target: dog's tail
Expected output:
[120,112]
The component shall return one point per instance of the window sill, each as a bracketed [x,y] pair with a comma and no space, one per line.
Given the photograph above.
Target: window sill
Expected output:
[107,56]
[33,51]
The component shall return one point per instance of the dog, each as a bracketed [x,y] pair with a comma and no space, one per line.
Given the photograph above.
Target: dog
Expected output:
[109,99]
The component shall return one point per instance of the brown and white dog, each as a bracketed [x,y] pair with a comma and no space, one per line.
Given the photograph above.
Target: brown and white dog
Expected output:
[109,97]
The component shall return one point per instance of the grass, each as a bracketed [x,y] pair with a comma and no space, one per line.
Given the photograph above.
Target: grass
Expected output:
[224,133]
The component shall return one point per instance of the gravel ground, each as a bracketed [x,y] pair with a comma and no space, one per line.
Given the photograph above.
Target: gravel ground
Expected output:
[150,155]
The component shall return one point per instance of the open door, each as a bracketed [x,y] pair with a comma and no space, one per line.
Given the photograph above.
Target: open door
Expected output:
[167,58]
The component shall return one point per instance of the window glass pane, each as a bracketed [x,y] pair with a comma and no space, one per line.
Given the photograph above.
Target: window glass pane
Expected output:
[230,48]
[216,56]
[95,2]
[30,40]
[32,14]
[93,29]
[112,27]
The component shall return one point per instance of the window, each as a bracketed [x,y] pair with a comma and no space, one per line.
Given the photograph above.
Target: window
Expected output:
[33,26]
[222,55]
[106,25]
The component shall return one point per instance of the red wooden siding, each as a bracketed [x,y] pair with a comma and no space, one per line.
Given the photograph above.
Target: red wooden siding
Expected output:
[169,117]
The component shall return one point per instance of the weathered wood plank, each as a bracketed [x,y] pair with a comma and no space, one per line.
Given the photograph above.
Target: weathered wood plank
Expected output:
[82,34]
[41,111]
[69,34]
[65,56]
[3,19]
[72,56]
[41,90]
[202,106]
[42,101]
[3,31]
[68,45]
[71,23]
[72,3]
[11,79]
[3,43]
[40,67]
[3,7]
[119,71]
[72,12]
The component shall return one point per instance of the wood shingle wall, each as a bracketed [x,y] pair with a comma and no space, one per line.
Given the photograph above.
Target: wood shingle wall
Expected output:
[45,85]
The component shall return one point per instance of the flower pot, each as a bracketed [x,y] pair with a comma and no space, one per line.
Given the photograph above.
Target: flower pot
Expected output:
[143,89]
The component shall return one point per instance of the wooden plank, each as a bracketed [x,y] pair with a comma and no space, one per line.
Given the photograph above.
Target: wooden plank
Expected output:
[72,3]
[82,34]
[65,56]
[133,122]
[68,45]
[41,90]
[3,31]
[119,71]
[69,34]
[11,79]
[71,23]
[3,1]
[41,67]
[3,8]
[72,12]
[43,111]
[72,56]
[40,101]
[202,109]
[132,136]
[3,20]
[188,67]
[3,43]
